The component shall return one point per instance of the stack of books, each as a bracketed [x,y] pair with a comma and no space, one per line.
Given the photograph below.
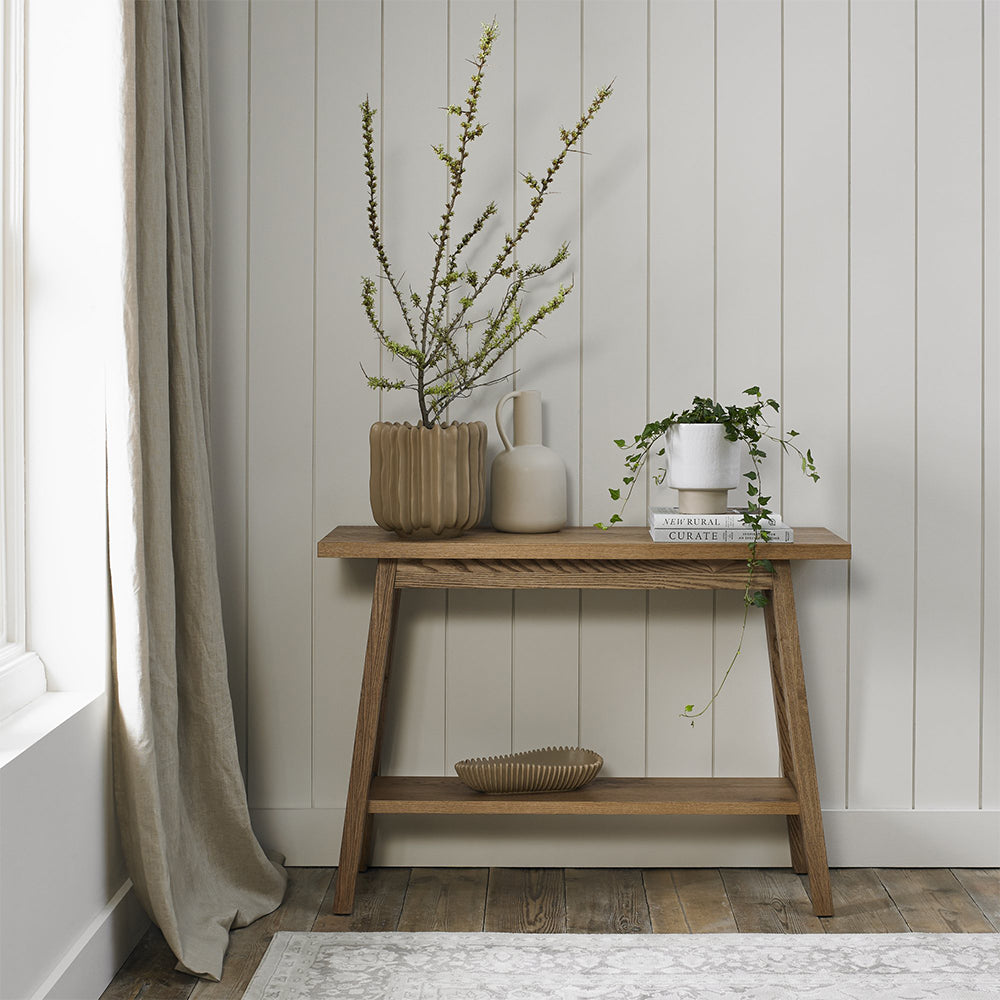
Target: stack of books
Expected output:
[668,524]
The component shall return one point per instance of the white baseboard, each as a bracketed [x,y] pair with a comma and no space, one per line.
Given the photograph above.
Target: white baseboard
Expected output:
[909,838]
[91,963]
[855,838]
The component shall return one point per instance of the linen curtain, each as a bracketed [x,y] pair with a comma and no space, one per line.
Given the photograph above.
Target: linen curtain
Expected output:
[192,855]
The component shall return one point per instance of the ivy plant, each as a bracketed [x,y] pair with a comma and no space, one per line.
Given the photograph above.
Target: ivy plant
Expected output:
[451,340]
[749,424]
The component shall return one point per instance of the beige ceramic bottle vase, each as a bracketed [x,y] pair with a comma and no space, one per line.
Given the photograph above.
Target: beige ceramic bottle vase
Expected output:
[529,480]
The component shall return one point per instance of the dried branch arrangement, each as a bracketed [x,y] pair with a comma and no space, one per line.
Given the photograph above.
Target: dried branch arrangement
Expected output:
[453,338]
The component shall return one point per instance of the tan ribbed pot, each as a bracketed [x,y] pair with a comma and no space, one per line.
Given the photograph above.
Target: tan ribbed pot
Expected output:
[428,482]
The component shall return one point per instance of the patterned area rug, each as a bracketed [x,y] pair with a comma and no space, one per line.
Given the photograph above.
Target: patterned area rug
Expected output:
[302,966]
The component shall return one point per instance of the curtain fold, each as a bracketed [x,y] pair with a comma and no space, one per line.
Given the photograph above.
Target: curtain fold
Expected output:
[192,855]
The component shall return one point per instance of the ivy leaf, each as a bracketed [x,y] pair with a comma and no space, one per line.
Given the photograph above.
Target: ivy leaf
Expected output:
[689,708]
[767,565]
[628,479]
[615,518]
[758,600]
[615,494]
[620,442]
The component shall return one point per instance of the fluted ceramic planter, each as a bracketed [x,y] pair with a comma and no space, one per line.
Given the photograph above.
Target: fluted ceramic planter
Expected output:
[702,465]
[428,482]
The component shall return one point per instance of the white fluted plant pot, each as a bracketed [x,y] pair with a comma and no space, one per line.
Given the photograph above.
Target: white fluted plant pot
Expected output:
[702,465]
[428,482]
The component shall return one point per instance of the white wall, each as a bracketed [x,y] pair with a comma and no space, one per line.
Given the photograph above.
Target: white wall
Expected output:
[799,194]
[68,917]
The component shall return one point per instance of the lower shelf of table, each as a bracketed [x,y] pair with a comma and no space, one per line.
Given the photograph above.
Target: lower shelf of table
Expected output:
[602,797]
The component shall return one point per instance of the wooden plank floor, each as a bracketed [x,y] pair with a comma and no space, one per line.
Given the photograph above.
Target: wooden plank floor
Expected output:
[584,901]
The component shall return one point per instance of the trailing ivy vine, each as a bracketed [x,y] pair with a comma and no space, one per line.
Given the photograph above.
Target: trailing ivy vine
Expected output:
[750,425]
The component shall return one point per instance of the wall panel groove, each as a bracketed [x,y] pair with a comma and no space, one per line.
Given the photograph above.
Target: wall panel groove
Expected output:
[882,397]
[546,629]
[748,297]
[815,311]
[990,727]
[279,591]
[949,360]
[348,45]
[415,89]
[613,306]
[479,645]
[682,356]
[848,428]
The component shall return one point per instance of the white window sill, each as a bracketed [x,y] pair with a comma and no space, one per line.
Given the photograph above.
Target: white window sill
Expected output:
[25,728]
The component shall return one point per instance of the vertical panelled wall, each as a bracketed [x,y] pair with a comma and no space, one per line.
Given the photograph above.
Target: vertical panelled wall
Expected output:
[798,194]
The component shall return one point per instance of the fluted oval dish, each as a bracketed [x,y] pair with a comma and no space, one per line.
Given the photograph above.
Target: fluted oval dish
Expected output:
[550,769]
[428,482]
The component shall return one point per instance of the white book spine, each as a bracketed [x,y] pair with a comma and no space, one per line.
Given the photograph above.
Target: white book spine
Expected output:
[718,534]
[672,519]
[708,524]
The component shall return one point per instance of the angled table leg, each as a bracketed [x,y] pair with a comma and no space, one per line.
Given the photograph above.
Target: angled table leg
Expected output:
[806,839]
[371,708]
[795,843]
[368,839]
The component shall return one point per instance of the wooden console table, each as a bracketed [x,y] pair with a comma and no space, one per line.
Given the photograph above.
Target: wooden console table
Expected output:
[588,558]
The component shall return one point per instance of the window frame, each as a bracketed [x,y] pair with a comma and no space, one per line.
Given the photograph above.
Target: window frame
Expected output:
[22,675]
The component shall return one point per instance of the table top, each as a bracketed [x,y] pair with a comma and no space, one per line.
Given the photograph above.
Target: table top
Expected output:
[370,542]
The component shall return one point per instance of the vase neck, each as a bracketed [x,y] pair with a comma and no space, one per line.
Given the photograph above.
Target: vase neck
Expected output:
[528,417]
